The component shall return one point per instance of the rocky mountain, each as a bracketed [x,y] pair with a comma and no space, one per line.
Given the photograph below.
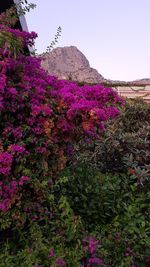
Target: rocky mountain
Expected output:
[69,62]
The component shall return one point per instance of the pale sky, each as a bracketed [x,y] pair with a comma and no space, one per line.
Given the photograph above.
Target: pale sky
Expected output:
[114,35]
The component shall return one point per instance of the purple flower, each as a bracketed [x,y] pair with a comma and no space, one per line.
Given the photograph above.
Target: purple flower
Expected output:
[90,244]
[96,260]
[4,206]
[36,110]
[7,193]
[47,110]
[52,253]
[41,150]
[5,162]
[23,180]
[60,262]
[13,91]
[2,83]
[17,132]
[50,182]
[17,149]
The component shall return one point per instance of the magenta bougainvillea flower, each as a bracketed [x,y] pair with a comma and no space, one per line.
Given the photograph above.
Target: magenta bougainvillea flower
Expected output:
[60,262]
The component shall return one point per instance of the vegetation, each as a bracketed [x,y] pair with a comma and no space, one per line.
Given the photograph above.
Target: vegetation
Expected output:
[74,168]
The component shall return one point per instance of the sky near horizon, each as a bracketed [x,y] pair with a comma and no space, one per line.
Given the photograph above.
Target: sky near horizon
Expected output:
[114,35]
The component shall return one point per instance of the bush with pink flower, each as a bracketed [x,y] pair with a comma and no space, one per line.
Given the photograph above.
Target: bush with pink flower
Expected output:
[41,117]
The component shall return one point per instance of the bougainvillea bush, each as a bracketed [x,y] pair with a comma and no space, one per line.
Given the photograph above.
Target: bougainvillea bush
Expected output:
[41,121]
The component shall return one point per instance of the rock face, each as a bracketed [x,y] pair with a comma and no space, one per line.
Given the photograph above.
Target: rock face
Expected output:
[69,62]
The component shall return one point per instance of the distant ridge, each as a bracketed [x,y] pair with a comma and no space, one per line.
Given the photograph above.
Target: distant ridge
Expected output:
[140,82]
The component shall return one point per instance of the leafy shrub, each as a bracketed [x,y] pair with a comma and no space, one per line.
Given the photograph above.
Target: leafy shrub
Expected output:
[115,209]
[96,197]
[128,135]
[126,240]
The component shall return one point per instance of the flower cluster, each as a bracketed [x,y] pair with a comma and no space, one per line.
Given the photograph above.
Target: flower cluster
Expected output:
[90,245]
[58,261]
[27,37]
[86,106]
[5,163]
[9,192]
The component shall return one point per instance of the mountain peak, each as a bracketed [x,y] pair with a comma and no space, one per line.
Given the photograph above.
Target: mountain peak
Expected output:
[69,62]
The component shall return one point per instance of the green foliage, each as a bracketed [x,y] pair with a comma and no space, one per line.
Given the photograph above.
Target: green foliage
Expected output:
[128,135]
[116,209]
[127,237]
[92,195]
[25,242]
[13,44]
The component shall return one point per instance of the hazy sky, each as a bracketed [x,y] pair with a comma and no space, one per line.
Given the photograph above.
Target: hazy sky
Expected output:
[114,35]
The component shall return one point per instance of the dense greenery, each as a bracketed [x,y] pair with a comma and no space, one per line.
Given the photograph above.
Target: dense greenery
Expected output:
[128,137]
[74,168]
